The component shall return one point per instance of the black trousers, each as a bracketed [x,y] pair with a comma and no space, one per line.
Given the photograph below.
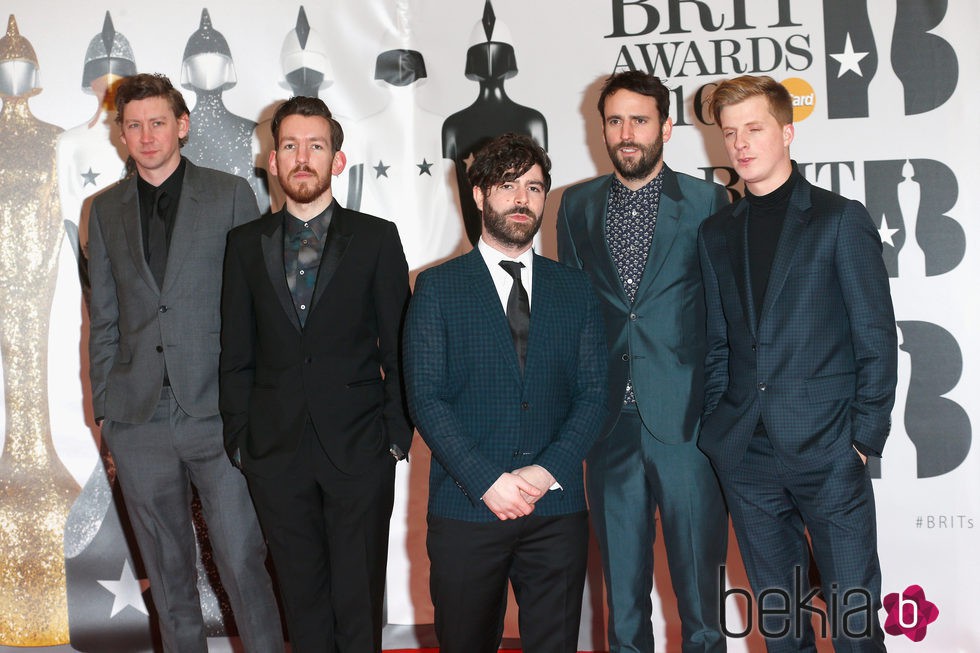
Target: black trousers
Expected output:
[328,535]
[543,557]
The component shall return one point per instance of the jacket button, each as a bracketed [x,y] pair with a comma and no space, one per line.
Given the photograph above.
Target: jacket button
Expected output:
[525,405]
[160,348]
[753,346]
[762,387]
[626,357]
[308,360]
[632,316]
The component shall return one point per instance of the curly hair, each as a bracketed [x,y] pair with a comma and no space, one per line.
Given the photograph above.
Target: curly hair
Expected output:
[505,158]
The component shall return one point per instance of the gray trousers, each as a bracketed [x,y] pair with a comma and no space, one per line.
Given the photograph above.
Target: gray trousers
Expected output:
[156,463]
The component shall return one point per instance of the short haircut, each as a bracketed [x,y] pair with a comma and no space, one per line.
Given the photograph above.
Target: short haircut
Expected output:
[309,107]
[640,82]
[739,89]
[505,158]
[144,86]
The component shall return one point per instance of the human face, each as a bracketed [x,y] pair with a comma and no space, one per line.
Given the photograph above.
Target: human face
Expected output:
[305,160]
[634,137]
[152,134]
[512,211]
[757,145]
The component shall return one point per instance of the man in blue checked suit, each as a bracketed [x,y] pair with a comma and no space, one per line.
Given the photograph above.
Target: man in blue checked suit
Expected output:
[505,369]
[800,376]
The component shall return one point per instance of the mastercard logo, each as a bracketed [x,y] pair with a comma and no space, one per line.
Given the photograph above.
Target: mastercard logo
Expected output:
[804,99]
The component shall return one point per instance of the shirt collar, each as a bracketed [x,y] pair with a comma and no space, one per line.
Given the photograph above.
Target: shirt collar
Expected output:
[492,257]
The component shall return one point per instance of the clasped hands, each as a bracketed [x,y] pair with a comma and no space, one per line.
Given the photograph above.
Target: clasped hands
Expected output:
[514,494]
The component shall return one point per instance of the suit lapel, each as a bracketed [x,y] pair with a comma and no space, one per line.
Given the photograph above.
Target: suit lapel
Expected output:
[736,238]
[665,233]
[338,238]
[272,255]
[129,214]
[185,223]
[797,218]
[542,313]
[491,312]
[595,210]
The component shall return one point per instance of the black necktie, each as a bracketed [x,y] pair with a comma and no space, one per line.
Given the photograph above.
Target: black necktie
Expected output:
[518,310]
[157,237]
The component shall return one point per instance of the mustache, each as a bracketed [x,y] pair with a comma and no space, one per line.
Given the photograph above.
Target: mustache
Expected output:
[523,210]
[632,144]
[303,168]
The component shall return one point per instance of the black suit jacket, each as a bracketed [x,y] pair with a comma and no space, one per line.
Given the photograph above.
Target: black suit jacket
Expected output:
[341,370]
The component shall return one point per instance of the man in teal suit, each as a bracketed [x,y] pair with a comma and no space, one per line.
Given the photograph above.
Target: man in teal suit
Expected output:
[800,376]
[635,233]
[505,370]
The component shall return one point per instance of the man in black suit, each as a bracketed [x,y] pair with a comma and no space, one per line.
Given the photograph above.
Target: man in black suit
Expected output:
[311,395]
[800,376]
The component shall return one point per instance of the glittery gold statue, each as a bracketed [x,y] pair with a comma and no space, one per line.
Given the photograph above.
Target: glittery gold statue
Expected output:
[36,490]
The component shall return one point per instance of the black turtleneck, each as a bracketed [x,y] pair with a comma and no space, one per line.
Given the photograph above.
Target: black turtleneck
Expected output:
[766,215]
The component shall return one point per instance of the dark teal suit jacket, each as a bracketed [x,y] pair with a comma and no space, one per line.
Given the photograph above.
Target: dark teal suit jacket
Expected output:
[819,364]
[661,348]
[478,414]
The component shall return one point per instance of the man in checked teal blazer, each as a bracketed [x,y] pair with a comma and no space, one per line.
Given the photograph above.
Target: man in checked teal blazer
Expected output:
[505,370]
[635,233]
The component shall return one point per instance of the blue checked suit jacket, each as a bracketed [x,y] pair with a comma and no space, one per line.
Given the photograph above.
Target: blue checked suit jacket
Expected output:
[819,365]
[472,406]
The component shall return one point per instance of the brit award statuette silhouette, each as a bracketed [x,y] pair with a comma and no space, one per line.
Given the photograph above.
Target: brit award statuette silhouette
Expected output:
[490,61]
[36,490]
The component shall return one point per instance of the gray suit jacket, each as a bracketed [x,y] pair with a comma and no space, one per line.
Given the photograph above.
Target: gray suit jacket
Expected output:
[659,339]
[136,327]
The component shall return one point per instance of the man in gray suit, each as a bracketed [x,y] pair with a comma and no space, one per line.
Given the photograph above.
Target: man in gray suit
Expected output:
[635,233]
[156,243]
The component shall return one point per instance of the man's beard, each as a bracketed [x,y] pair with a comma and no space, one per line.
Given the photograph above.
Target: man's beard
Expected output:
[506,232]
[637,169]
[306,191]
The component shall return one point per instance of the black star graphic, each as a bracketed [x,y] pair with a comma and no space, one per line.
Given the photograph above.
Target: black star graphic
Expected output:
[89,177]
[424,167]
[381,169]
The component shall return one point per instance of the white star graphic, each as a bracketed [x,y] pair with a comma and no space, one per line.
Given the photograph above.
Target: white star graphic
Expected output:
[885,233]
[849,59]
[128,590]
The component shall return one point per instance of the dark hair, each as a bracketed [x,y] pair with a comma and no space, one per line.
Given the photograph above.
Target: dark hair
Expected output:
[640,82]
[739,89]
[309,107]
[505,158]
[144,86]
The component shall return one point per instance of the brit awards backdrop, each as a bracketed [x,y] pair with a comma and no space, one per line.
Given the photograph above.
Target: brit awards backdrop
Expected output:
[886,102]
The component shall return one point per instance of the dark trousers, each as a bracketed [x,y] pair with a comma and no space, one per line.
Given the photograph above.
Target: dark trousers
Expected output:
[156,463]
[328,535]
[770,506]
[543,557]
[632,475]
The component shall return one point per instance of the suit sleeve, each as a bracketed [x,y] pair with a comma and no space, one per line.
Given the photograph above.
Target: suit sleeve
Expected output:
[867,298]
[563,457]
[391,293]
[428,386]
[716,354]
[238,335]
[103,314]
[566,246]
[246,208]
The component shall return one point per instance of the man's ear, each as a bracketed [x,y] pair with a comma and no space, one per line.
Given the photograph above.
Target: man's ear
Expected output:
[478,197]
[339,163]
